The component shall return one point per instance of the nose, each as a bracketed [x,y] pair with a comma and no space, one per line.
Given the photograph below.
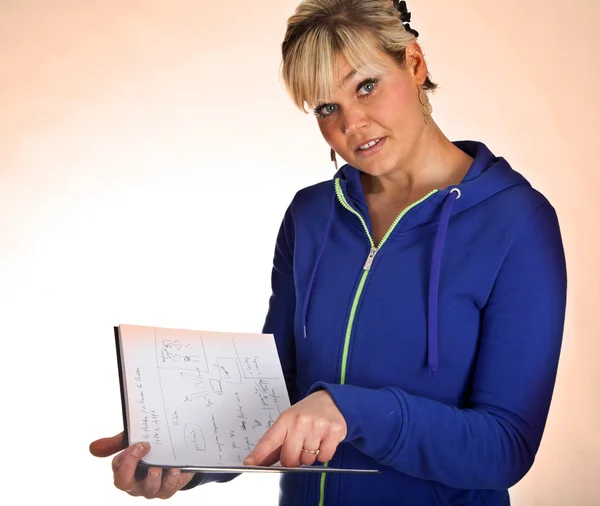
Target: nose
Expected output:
[354,120]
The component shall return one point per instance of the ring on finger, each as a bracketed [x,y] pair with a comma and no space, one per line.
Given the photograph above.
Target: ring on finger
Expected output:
[313,452]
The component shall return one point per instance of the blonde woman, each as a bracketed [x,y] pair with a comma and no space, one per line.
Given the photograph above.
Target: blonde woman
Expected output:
[418,296]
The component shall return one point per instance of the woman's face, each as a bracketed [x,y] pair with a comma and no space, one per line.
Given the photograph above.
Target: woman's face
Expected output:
[383,108]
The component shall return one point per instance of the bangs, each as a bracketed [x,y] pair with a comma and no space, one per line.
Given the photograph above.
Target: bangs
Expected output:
[312,71]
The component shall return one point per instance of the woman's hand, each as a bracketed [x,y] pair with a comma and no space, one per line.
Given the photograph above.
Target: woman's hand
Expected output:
[310,430]
[156,484]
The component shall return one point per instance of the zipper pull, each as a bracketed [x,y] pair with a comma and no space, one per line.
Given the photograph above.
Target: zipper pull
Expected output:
[370,258]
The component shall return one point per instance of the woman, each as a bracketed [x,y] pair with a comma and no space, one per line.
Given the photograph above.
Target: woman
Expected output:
[418,298]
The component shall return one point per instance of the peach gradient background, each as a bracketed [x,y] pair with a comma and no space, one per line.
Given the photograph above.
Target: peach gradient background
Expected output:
[147,153]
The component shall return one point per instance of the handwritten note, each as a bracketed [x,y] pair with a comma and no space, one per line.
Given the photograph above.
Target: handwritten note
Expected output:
[200,398]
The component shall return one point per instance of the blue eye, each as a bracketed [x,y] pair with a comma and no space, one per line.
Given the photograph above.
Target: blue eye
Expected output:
[369,85]
[325,110]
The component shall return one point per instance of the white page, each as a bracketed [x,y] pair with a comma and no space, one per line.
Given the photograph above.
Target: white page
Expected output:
[200,398]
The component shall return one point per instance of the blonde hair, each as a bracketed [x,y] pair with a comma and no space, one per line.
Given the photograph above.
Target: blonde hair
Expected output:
[320,31]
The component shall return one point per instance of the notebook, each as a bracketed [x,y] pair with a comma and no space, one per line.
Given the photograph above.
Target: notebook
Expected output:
[201,399]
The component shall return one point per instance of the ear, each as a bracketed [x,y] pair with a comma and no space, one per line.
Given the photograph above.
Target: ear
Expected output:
[415,63]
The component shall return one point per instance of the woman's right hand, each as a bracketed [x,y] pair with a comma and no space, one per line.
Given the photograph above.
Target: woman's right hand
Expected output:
[155,484]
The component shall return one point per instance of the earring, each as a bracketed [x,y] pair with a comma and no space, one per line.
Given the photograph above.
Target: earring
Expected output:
[426,107]
[334,159]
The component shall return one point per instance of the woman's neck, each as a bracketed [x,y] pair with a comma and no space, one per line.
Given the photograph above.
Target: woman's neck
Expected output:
[434,163]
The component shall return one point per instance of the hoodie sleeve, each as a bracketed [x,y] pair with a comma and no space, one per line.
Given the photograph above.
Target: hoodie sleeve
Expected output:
[282,303]
[204,478]
[493,442]
[279,321]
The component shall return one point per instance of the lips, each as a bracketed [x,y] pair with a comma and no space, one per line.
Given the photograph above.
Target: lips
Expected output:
[366,143]
[372,149]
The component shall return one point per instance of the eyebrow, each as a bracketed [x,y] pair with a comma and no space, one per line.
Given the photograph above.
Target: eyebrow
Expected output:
[348,77]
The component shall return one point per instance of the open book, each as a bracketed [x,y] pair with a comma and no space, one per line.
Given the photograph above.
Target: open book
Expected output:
[201,399]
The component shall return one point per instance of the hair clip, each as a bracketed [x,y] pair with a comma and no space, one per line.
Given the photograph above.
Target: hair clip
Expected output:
[405,16]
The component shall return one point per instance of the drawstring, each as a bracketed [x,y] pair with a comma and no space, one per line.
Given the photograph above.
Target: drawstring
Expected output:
[316,266]
[434,280]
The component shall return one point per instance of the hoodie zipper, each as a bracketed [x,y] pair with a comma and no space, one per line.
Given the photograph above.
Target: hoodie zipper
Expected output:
[366,269]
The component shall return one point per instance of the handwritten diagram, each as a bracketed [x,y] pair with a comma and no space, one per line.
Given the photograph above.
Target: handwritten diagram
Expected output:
[202,398]
[175,354]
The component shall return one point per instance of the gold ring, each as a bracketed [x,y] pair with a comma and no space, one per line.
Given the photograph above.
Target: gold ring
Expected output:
[314,452]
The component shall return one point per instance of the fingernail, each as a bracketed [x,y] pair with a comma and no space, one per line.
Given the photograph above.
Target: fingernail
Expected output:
[154,472]
[249,461]
[138,449]
[174,472]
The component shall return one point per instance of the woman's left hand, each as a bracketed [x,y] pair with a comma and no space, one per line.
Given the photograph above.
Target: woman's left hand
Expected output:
[314,425]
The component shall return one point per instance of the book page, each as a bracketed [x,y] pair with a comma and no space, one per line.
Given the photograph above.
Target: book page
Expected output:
[200,398]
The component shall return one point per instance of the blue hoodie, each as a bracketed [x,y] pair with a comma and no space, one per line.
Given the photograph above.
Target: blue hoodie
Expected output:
[439,346]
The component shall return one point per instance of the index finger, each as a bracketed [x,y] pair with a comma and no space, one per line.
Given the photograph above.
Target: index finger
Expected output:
[267,448]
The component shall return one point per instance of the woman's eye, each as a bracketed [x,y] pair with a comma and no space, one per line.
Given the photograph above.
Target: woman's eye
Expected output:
[326,110]
[365,88]
[369,87]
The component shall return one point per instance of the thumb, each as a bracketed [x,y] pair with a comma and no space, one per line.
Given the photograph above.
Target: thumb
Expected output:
[108,446]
